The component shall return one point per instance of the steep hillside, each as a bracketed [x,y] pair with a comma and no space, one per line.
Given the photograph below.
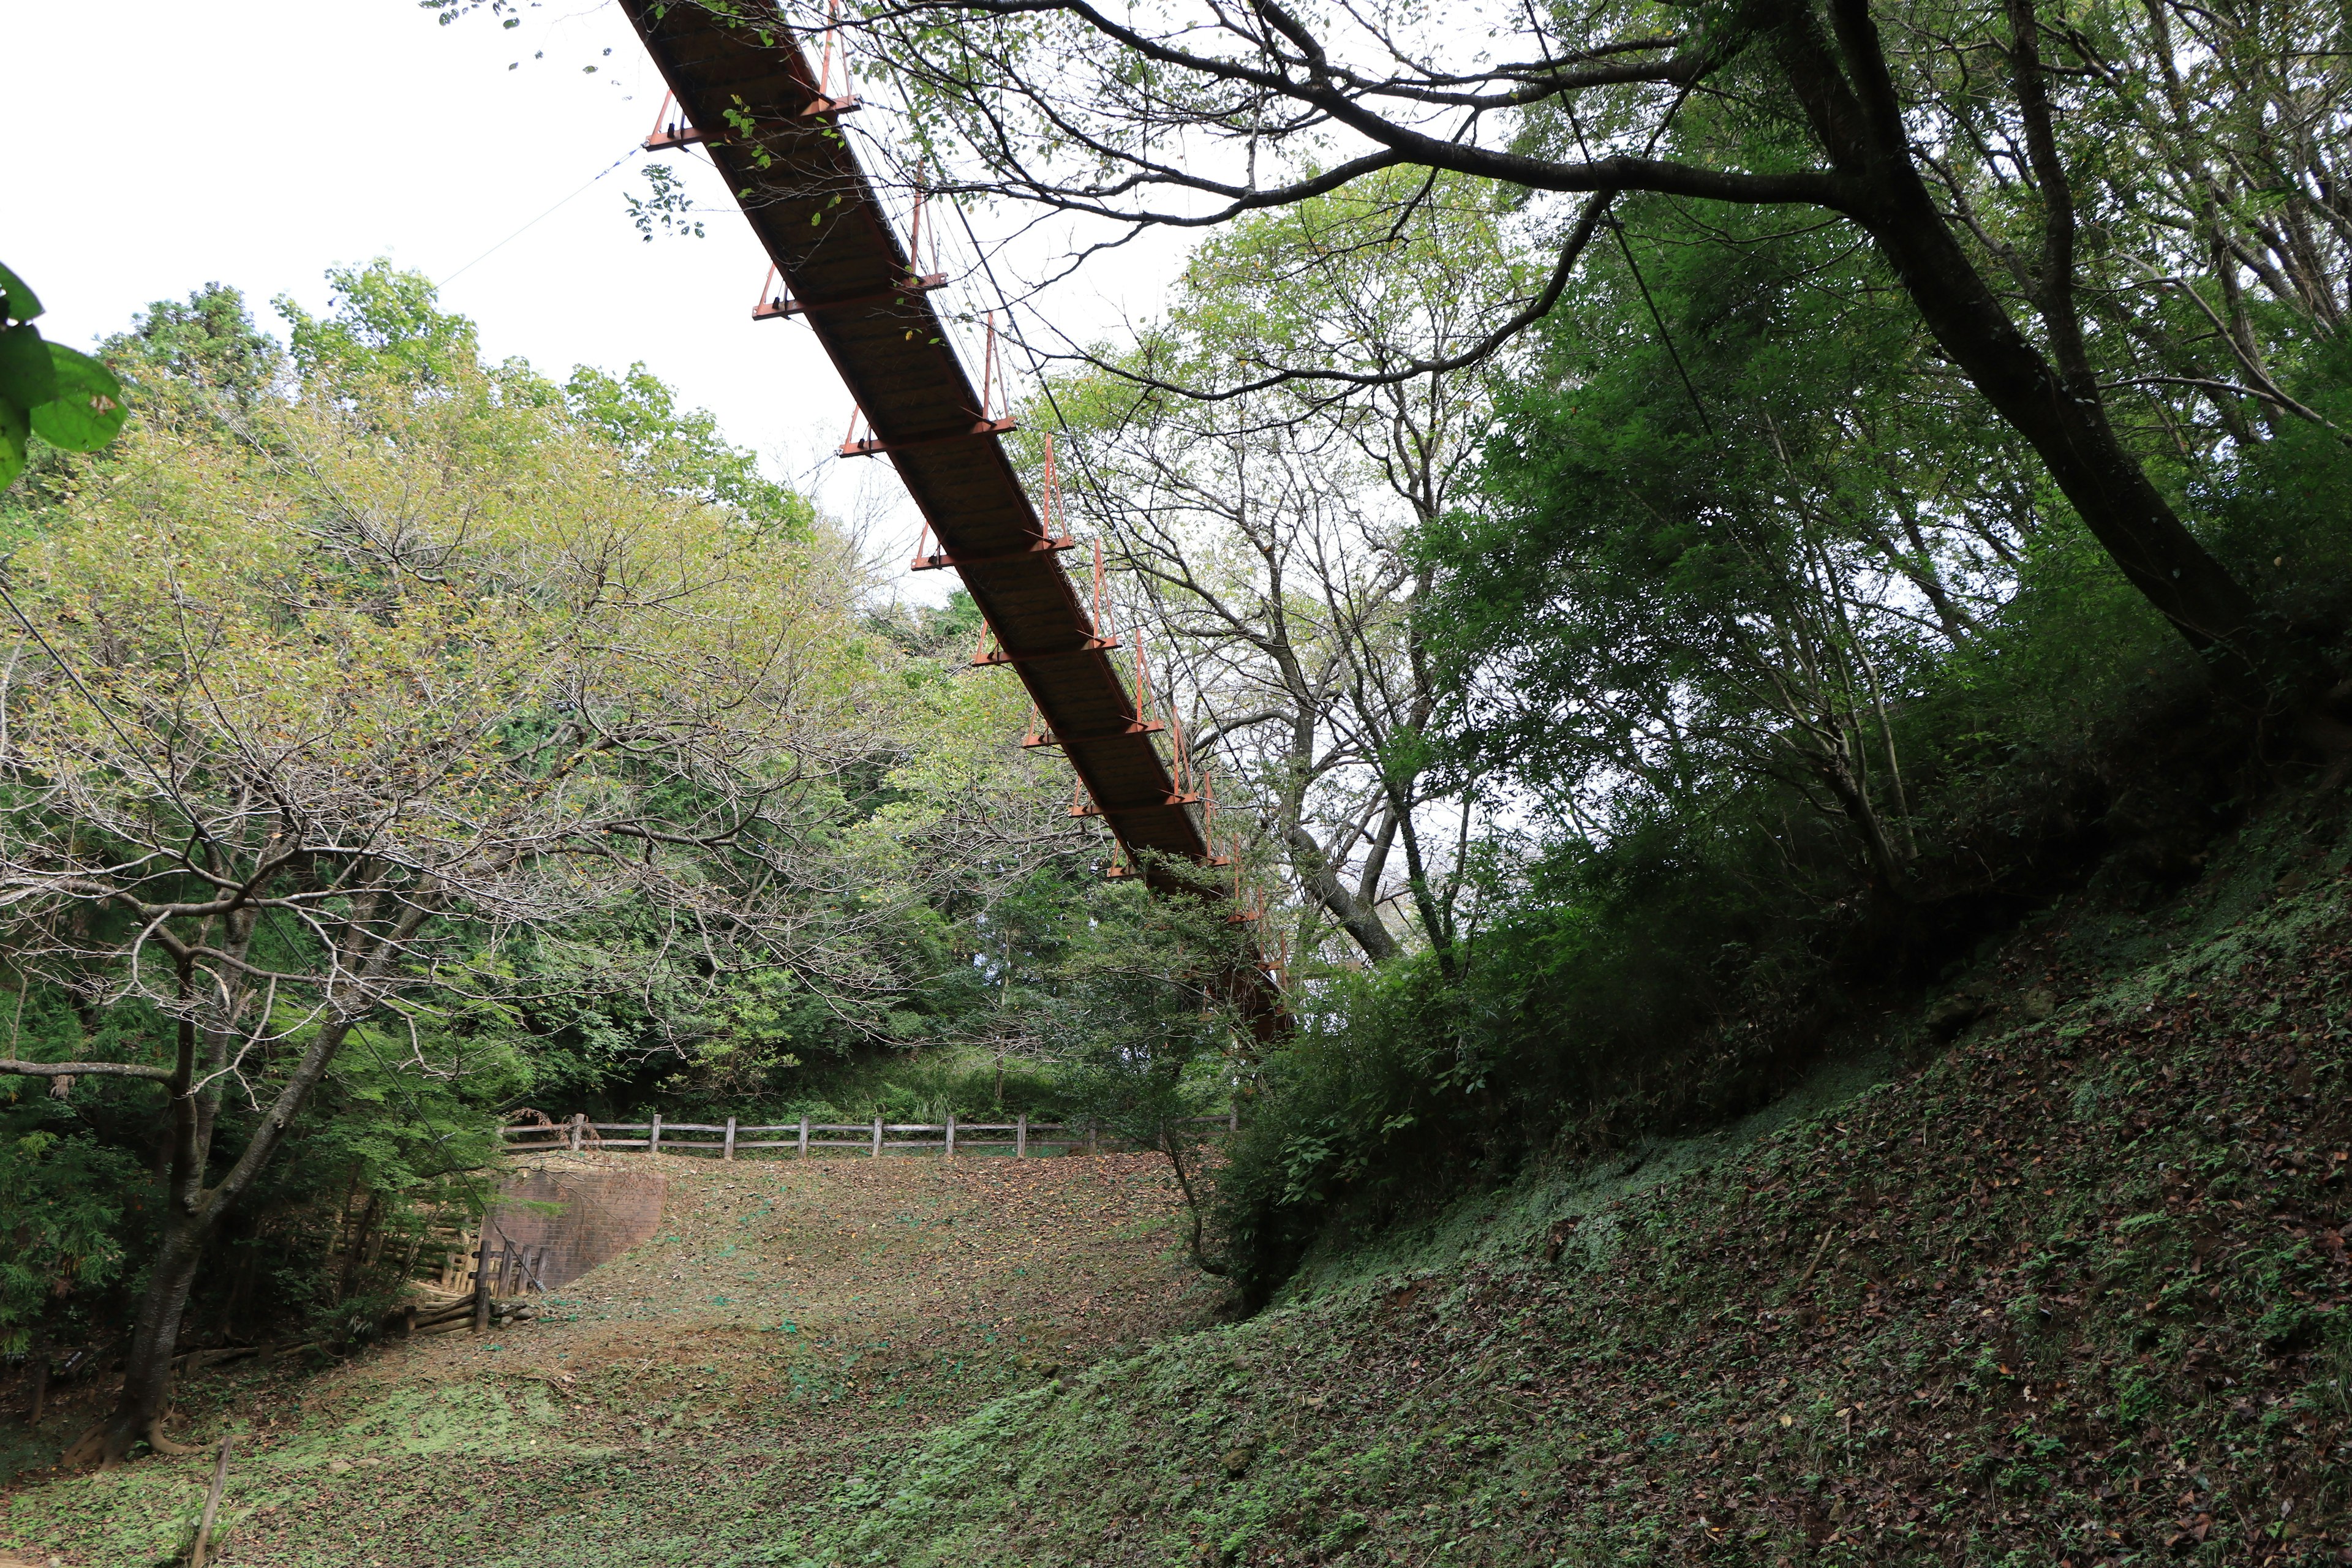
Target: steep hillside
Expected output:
[790,1325]
[2071,1292]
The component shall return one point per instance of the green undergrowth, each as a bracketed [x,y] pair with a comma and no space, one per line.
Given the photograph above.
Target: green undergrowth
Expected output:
[2069,1292]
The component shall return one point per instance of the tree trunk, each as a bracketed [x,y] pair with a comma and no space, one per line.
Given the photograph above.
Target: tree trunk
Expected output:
[190,1216]
[1315,873]
[1197,1243]
[40,1369]
[193,1213]
[1433,921]
[355,1255]
[147,1368]
[1856,116]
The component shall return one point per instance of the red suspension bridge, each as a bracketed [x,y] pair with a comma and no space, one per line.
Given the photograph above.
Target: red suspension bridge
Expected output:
[746,93]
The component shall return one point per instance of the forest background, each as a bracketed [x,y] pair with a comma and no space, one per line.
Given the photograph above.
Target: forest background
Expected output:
[1614,713]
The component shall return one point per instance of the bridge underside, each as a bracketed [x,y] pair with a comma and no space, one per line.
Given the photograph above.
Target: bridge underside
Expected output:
[760,110]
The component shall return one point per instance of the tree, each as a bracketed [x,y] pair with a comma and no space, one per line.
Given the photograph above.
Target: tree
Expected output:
[314,711]
[681,450]
[1268,533]
[1145,1046]
[1947,138]
[1727,527]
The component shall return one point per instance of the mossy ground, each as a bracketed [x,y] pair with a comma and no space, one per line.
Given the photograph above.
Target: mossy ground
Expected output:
[2069,1290]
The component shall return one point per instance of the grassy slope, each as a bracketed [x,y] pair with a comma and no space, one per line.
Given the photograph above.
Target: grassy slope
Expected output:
[2072,1292]
[790,1326]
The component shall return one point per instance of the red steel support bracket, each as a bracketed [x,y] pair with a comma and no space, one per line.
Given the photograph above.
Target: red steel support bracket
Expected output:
[938,558]
[1092,644]
[779,305]
[1053,738]
[1178,799]
[667,133]
[873,445]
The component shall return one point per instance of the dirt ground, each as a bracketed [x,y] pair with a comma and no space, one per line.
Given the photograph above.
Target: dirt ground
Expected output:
[789,1324]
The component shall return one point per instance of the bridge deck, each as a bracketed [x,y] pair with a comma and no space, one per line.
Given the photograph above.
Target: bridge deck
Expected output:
[750,89]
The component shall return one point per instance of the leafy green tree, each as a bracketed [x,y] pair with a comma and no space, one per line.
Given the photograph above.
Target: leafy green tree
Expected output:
[208,347]
[67,1193]
[1147,1047]
[385,325]
[2073,206]
[681,450]
[321,707]
[1265,535]
[1727,530]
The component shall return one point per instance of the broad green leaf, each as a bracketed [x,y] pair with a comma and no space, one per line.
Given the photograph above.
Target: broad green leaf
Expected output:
[29,377]
[88,409]
[17,300]
[14,427]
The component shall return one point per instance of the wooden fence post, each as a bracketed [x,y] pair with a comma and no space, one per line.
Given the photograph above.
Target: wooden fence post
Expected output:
[950,1153]
[212,1509]
[804,1137]
[878,1137]
[482,1282]
[579,1118]
[653,1143]
[1091,1131]
[1233,1116]
[1020,1136]
[729,1153]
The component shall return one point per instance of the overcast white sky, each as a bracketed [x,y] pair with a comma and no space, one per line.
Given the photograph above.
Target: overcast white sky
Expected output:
[159,145]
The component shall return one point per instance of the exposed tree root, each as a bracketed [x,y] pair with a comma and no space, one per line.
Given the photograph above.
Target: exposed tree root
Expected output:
[162,1444]
[89,1448]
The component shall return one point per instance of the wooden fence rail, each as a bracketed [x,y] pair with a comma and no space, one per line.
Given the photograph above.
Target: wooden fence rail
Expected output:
[873,1138]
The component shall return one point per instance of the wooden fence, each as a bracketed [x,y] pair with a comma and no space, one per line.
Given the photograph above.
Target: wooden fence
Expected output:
[946,1140]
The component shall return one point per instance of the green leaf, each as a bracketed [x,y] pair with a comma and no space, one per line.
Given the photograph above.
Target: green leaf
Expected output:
[28,377]
[88,409]
[17,300]
[14,428]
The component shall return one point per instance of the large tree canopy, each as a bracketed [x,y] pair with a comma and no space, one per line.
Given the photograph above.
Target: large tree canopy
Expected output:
[2116,224]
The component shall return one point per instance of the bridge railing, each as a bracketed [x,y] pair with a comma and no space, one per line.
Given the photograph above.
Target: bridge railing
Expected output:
[873,1139]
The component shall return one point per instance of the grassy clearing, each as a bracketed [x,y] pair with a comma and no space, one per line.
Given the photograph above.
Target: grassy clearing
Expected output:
[790,1328]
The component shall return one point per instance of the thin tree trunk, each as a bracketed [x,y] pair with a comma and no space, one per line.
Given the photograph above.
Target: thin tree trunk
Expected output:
[355,1256]
[155,1335]
[1424,903]
[193,1213]
[1359,920]
[1920,569]
[1196,1244]
[1376,859]
[40,1374]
